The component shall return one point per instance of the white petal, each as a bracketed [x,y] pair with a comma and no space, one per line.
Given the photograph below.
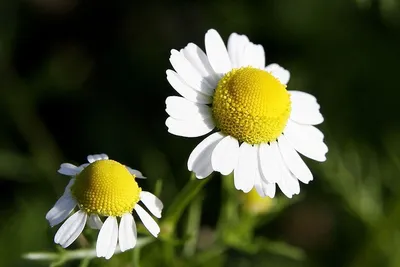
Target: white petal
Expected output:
[258,187]
[305,109]
[217,53]
[82,166]
[245,171]
[306,140]
[127,232]
[288,184]
[293,161]
[303,100]
[182,109]
[306,115]
[107,239]
[236,47]
[302,96]
[147,220]
[258,180]
[225,156]
[137,173]
[185,90]
[91,158]
[71,229]
[189,74]
[96,157]
[262,186]
[200,159]
[94,221]
[189,128]
[152,202]
[293,128]
[61,210]
[260,56]
[69,169]
[63,207]
[253,56]
[269,189]
[200,62]
[267,155]
[278,72]
[67,189]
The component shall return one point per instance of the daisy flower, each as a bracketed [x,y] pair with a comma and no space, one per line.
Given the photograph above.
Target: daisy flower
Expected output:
[103,188]
[261,126]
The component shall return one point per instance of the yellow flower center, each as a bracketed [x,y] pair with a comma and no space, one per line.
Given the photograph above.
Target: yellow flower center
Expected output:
[251,105]
[106,188]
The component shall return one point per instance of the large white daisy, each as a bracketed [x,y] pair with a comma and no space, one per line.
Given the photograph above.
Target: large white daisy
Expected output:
[261,127]
[103,188]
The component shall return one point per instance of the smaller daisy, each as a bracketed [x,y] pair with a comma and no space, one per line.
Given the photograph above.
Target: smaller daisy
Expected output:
[103,188]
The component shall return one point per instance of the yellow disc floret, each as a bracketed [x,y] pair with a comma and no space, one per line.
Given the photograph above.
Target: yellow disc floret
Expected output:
[107,188]
[251,105]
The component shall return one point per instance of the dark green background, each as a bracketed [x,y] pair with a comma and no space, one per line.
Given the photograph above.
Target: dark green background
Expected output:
[85,77]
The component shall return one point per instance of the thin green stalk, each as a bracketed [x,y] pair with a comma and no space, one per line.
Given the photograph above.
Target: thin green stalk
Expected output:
[174,213]
[193,226]
[158,187]
[182,200]
[63,256]
[85,262]
[136,257]
[229,208]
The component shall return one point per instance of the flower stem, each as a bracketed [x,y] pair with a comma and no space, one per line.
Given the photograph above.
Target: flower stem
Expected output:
[61,257]
[182,200]
[193,225]
[174,213]
[229,209]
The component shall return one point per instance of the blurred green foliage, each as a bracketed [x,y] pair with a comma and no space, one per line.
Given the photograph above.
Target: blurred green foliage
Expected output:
[84,77]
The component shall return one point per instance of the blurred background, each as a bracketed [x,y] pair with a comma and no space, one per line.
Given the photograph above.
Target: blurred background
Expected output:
[85,77]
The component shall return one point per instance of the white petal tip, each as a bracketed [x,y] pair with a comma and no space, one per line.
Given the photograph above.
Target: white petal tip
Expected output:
[199,176]
[63,246]
[246,190]
[225,172]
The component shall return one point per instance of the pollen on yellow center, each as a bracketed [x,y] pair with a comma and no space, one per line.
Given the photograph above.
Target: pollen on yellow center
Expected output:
[107,188]
[251,105]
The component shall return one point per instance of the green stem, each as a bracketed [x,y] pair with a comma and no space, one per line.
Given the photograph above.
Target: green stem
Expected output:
[229,208]
[182,200]
[158,187]
[136,257]
[85,262]
[193,226]
[174,213]
[68,255]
